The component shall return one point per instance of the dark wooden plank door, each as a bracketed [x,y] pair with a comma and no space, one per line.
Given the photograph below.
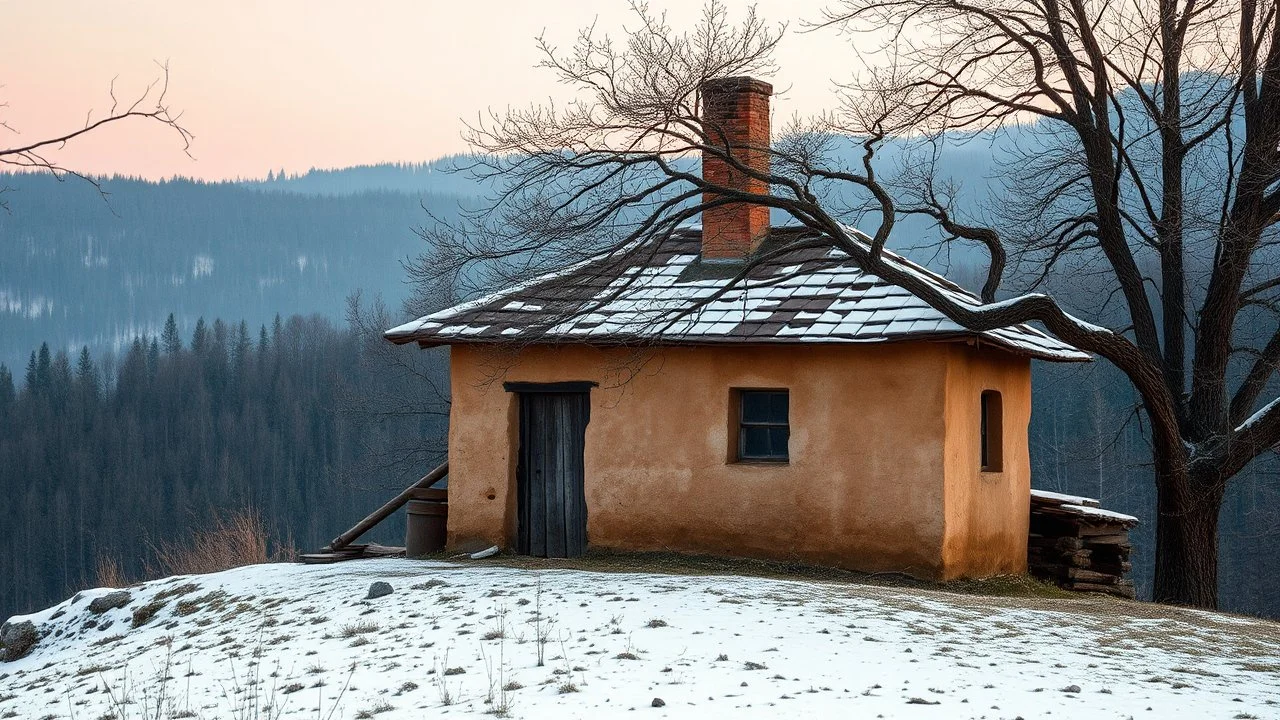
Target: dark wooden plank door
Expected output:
[550,474]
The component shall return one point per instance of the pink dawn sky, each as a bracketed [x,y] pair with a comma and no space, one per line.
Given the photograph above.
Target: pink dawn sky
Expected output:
[293,84]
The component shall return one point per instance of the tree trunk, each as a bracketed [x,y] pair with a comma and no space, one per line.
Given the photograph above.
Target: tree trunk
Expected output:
[1186,542]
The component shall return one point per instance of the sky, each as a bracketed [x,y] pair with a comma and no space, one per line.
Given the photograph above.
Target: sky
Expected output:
[294,84]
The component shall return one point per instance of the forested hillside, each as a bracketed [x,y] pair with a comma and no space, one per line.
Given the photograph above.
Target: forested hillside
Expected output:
[77,270]
[105,458]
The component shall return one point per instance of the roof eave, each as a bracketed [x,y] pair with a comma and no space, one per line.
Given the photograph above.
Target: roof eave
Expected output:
[430,340]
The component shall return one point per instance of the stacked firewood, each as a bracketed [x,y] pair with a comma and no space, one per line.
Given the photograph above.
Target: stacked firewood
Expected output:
[1078,545]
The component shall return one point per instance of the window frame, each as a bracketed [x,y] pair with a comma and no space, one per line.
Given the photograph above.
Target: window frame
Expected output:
[738,453]
[991,431]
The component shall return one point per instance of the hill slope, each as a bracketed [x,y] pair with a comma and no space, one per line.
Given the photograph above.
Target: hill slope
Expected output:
[738,646]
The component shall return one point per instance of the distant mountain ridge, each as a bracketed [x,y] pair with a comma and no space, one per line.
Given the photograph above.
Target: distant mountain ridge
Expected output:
[442,176]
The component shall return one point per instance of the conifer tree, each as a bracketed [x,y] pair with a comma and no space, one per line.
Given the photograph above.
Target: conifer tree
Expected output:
[87,375]
[200,338]
[153,356]
[240,350]
[170,337]
[60,379]
[29,381]
[7,391]
[44,370]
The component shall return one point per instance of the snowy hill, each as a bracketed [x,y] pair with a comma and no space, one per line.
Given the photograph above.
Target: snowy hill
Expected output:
[305,641]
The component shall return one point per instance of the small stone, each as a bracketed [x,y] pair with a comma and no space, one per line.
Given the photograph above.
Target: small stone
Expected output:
[1071,689]
[658,702]
[110,601]
[378,589]
[17,639]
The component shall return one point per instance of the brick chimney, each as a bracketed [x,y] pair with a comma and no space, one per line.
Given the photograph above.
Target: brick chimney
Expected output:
[735,113]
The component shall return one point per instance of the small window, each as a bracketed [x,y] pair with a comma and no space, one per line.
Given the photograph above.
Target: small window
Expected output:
[763,430]
[992,431]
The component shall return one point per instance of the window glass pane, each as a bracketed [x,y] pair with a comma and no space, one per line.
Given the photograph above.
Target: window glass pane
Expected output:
[778,407]
[755,442]
[983,431]
[764,407]
[755,406]
[992,436]
[778,441]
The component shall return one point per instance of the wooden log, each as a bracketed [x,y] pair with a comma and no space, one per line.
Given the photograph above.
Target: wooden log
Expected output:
[385,511]
[1117,569]
[1056,543]
[1068,575]
[1076,558]
[1091,576]
[1115,538]
[1049,526]
[1104,529]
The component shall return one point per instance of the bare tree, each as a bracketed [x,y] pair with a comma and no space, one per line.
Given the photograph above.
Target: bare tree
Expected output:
[397,391]
[1165,187]
[151,105]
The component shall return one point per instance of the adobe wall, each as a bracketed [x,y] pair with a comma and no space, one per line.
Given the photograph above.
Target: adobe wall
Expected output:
[987,513]
[864,488]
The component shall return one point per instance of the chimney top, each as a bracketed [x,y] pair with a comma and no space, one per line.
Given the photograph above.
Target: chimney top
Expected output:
[736,84]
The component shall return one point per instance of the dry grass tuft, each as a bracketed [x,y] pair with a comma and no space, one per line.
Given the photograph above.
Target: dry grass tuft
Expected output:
[230,541]
[108,573]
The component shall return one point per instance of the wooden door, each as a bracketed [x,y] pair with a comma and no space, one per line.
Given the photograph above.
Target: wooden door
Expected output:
[549,474]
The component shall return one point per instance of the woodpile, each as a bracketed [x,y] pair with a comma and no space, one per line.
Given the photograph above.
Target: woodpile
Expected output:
[1077,545]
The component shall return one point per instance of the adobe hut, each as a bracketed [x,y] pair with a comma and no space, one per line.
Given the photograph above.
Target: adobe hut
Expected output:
[810,412]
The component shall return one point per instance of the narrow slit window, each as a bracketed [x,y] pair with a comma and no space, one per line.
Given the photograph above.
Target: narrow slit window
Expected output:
[763,426]
[992,431]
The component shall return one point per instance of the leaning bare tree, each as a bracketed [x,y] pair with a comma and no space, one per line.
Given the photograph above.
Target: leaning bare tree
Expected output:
[39,154]
[1154,163]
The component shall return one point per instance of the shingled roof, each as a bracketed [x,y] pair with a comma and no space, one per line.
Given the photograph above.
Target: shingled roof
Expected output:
[665,294]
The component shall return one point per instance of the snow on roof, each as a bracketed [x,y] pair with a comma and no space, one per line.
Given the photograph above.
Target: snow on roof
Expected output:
[1086,507]
[806,293]
[1099,513]
[1064,498]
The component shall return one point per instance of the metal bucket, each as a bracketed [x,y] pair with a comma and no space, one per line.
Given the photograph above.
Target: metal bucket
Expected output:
[427,522]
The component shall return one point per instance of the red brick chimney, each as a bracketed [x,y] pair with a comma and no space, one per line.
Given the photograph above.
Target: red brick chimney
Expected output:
[735,114]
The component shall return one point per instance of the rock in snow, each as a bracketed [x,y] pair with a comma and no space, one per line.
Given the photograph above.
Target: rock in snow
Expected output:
[16,639]
[297,638]
[110,601]
[378,589]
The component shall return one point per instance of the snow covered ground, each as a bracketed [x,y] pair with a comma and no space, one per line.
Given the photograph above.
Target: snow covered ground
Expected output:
[306,642]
